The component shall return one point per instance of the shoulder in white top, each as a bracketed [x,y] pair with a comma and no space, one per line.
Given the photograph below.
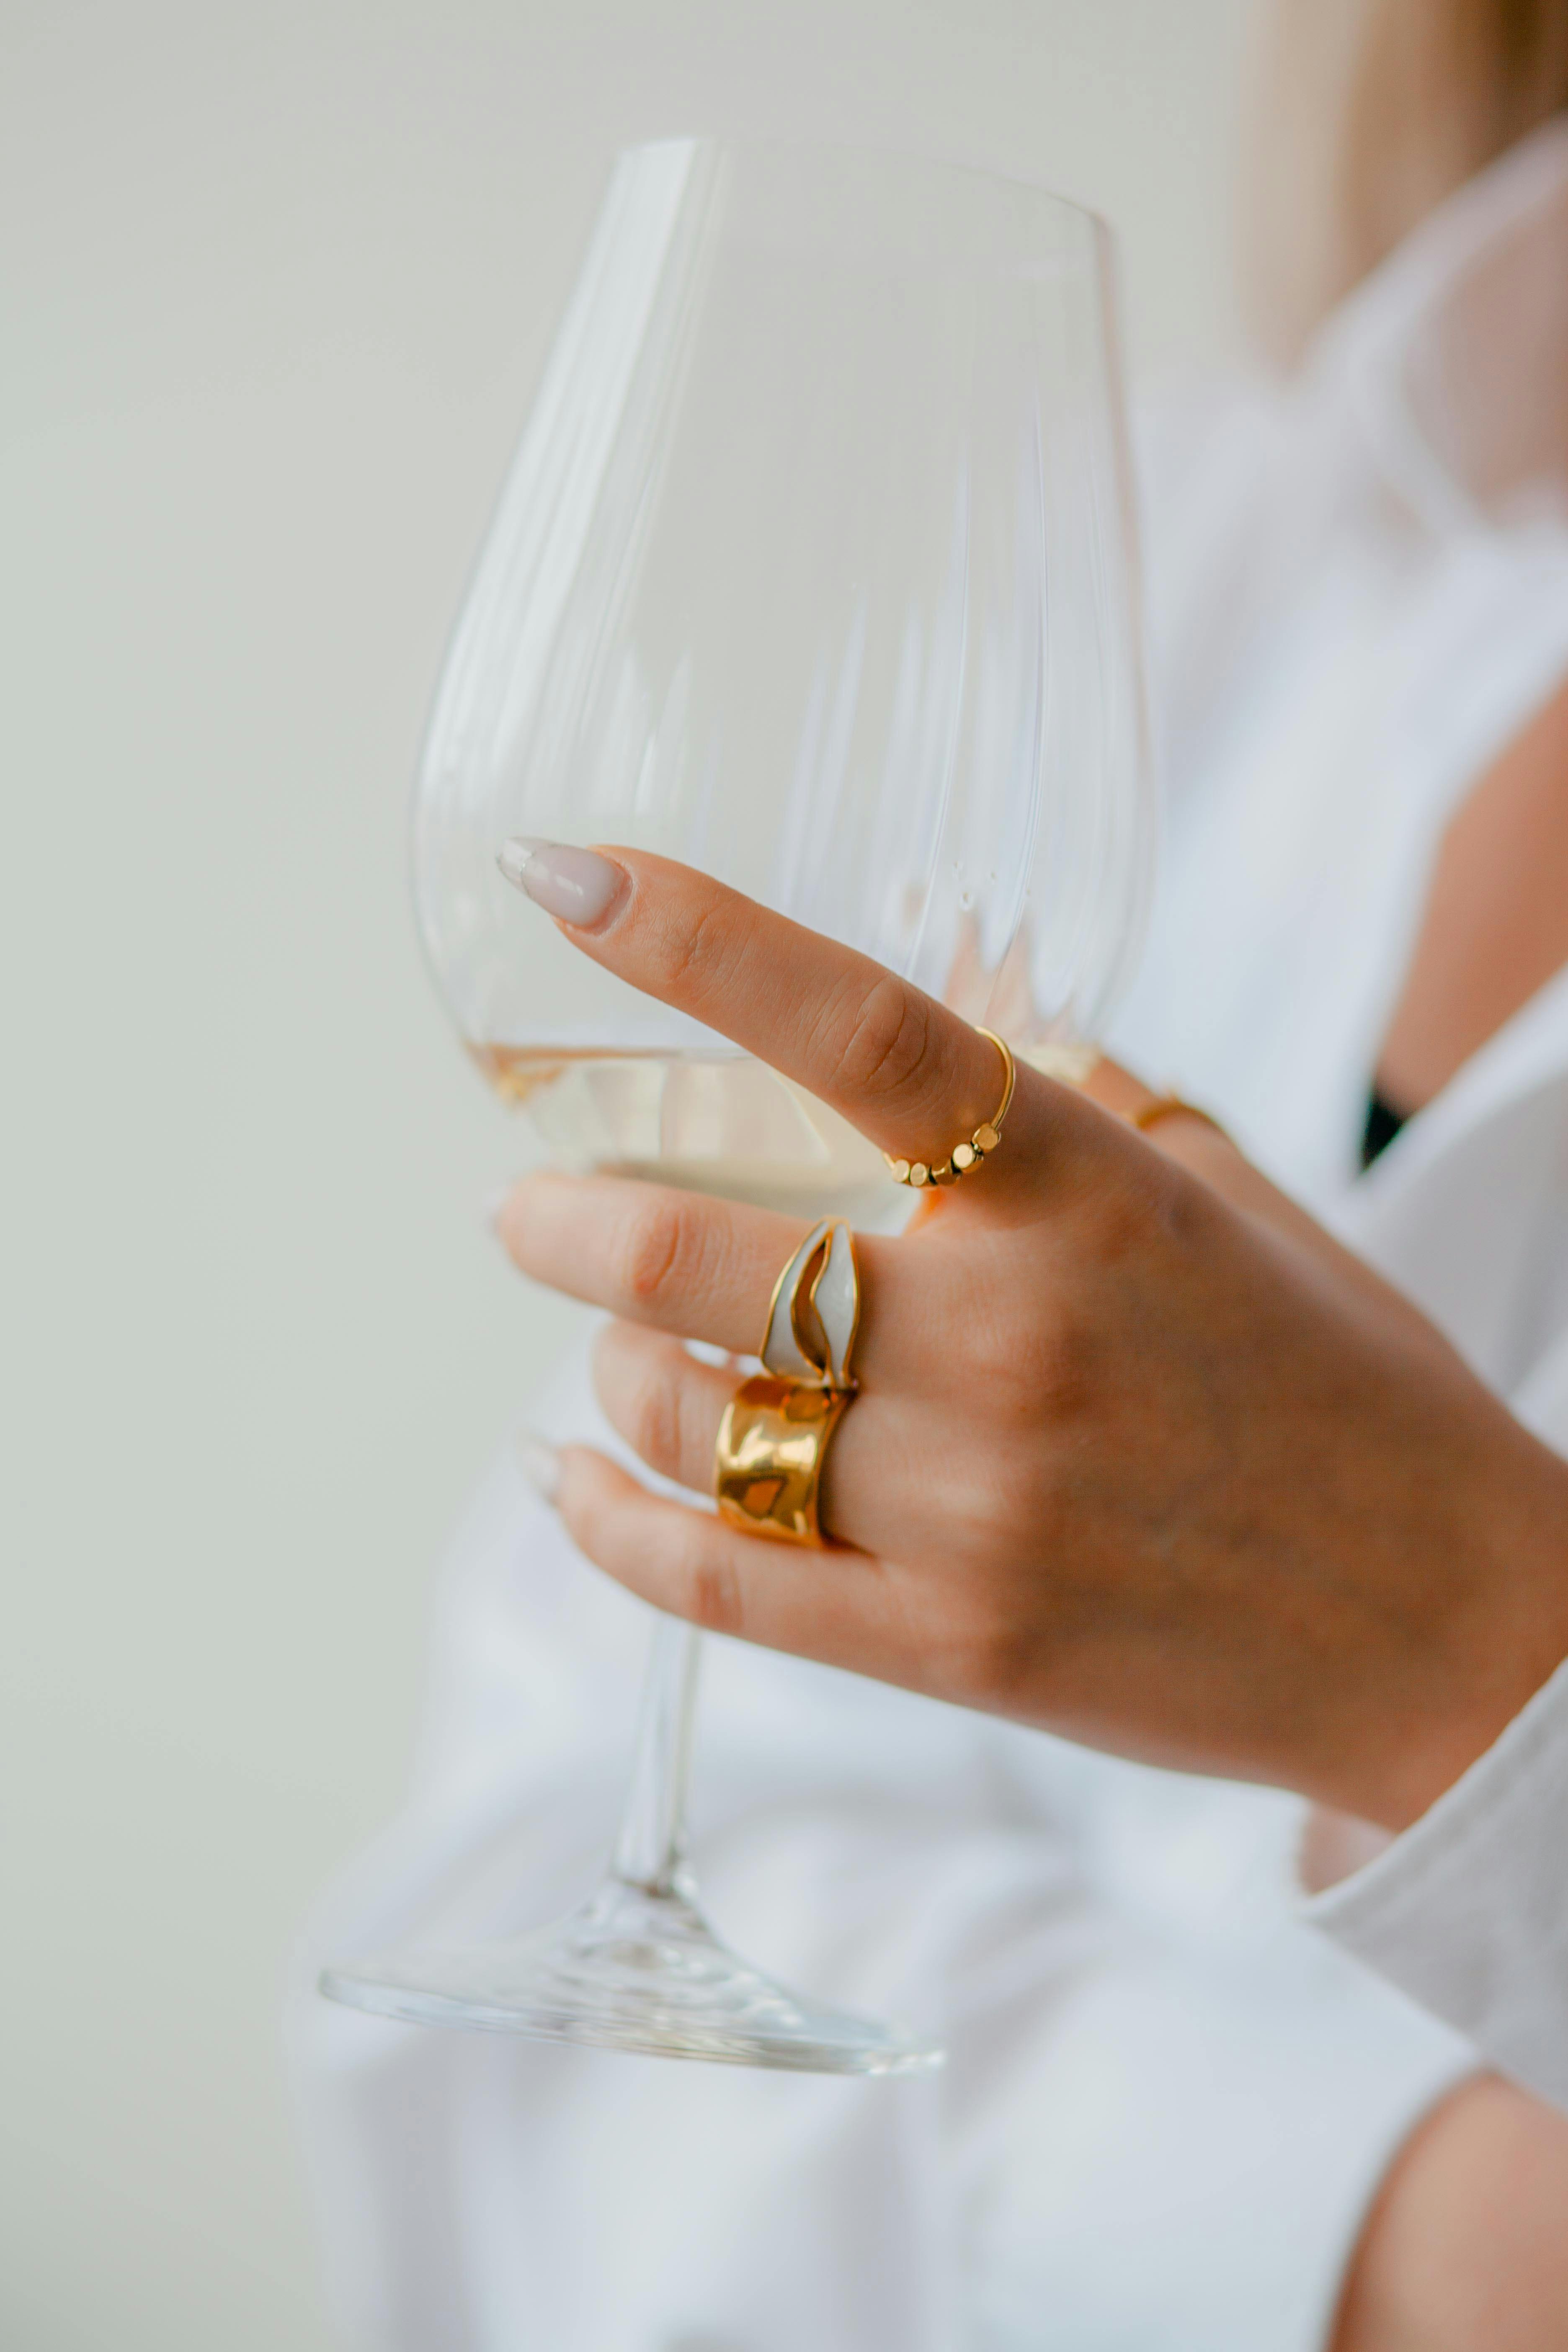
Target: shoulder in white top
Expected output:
[1391,538]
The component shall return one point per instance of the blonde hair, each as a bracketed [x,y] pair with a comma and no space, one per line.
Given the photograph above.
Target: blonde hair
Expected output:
[1373,111]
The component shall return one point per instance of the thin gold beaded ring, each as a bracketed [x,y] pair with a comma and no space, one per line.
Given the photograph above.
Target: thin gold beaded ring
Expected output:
[964,1157]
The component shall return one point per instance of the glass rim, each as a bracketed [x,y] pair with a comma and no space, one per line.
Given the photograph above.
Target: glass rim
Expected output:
[887,156]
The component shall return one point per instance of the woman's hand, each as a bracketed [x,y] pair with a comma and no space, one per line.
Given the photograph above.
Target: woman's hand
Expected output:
[1159,1469]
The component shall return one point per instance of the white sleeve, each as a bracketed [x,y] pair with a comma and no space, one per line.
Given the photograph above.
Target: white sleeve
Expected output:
[1467,1912]
[1205,2139]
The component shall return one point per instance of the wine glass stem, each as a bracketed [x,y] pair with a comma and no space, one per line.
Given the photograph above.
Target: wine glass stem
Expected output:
[652,1842]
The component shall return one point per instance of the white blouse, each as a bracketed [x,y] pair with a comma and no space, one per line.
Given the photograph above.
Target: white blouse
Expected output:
[1298,875]
[1468,1910]
[1169,2102]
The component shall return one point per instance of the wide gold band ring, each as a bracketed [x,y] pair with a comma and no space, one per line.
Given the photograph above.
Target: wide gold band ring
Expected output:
[772,1442]
[773,1438]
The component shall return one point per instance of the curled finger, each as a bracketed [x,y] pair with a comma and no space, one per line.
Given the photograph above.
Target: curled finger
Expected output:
[688,1263]
[839,1607]
[668,1407]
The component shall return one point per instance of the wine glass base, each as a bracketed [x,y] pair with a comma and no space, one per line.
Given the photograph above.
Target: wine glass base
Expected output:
[633,1970]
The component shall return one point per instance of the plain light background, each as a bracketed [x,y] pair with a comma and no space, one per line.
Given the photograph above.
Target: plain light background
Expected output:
[277,283]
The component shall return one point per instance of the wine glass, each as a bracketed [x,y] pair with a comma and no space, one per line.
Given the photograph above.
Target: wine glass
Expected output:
[814,569]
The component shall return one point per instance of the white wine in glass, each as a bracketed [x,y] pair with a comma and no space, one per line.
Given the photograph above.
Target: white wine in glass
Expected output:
[814,569]
[708,1122]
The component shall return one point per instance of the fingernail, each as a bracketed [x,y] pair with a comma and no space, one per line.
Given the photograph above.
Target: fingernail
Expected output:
[540,1464]
[494,1207]
[577,886]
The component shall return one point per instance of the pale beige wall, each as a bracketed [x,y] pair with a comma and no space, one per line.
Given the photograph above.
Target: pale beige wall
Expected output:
[275,283]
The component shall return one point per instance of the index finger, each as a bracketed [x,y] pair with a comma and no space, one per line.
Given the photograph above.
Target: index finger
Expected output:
[904,1069]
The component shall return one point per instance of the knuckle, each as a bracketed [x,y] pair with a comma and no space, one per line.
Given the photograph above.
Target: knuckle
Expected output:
[710,1585]
[988,1656]
[1003,1661]
[1049,1376]
[688,958]
[653,1419]
[1013,1624]
[1135,1214]
[1064,1367]
[983,1354]
[886,1040]
[656,1252]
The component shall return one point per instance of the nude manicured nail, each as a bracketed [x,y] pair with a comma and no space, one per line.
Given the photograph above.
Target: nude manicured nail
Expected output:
[495,1208]
[577,885]
[540,1464]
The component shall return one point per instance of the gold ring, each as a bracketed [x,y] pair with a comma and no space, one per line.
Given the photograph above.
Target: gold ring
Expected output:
[773,1438]
[768,1462]
[1075,1065]
[1169,1106]
[964,1156]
